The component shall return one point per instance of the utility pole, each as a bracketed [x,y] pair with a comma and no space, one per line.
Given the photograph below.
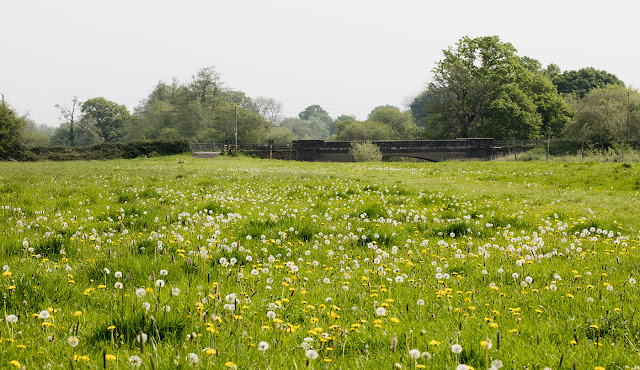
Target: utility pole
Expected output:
[236,130]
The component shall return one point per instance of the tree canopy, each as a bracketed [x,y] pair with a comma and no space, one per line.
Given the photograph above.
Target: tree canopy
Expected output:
[582,81]
[482,87]
[11,126]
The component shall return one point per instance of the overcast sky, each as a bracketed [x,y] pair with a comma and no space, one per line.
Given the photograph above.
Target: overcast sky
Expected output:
[347,56]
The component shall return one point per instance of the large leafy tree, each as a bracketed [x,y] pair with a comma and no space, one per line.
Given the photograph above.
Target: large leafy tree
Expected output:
[478,83]
[11,126]
[109,118]
[467,80]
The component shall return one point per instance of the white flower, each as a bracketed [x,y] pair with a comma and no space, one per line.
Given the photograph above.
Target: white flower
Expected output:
[142,338]
[420,302]
[118,285]
[164,272]
[107,271]
[166,308]
[414,354]
[399,279]
[263,346]
[175,291]
[380,311]
[271,315]
[73,341]
[118,274]
[632,281]
[426,355]
[12,318]
[141,292]
[159,283]
[311,354]
[146,306]
[456,348]
[44,314]
[193,358]
[496,364]
[462,367]
[135,361]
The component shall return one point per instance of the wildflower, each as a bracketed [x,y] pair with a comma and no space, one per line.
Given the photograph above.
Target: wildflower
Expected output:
[135,361]
[632,281]
[420,302]
[414,354]
[456,348]
[73,341]
[230,365]
[141,338]
[77,313]
[263,346]
[141,292]
[496,364]
[434,343]
[175,291]
[380,311]
[44,314]
[210,351]
[164,272]
[311,354]
[159,283]
[110,357]
[146,306]
[426,355]
[118,274]
[15,363]
[462,367]
[107,271]
[12,318]
[193,358]
[118,285]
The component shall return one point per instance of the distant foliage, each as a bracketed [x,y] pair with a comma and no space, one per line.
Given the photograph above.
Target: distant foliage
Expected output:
[104,151]
[365,152]
[11,126]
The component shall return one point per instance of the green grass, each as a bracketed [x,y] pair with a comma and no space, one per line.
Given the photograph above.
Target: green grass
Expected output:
[463,238]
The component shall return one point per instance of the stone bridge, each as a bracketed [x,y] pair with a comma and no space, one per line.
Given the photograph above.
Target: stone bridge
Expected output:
[431,150]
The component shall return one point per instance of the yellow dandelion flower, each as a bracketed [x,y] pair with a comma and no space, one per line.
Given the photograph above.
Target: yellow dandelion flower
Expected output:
[110,357]
[15,363]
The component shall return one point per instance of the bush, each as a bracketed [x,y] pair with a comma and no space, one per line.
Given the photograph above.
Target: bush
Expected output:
[133,149]
[365,152]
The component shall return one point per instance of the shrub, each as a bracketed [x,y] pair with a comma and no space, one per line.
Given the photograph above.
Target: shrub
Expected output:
[365,151]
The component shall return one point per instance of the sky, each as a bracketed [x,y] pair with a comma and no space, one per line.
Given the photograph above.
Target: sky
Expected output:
[348,56]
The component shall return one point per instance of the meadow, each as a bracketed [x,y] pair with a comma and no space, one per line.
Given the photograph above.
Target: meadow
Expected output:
[175,262]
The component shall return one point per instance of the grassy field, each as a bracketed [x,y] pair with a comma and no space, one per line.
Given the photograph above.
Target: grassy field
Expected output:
[176,262]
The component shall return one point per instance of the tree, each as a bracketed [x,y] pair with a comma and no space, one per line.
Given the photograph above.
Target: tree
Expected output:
[401,123]
[11,126]
[601,117]
[481,79]
[582,81]
[367,130]
[511,115]
[269,108]
[307,129]
[467,79]
[316,111]
[206,85]
[109,118]
[70,113]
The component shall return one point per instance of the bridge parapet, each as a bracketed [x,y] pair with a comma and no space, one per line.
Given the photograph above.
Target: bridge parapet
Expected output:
[432,150]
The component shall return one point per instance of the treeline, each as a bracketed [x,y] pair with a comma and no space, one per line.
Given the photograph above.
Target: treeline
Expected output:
[481,88]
